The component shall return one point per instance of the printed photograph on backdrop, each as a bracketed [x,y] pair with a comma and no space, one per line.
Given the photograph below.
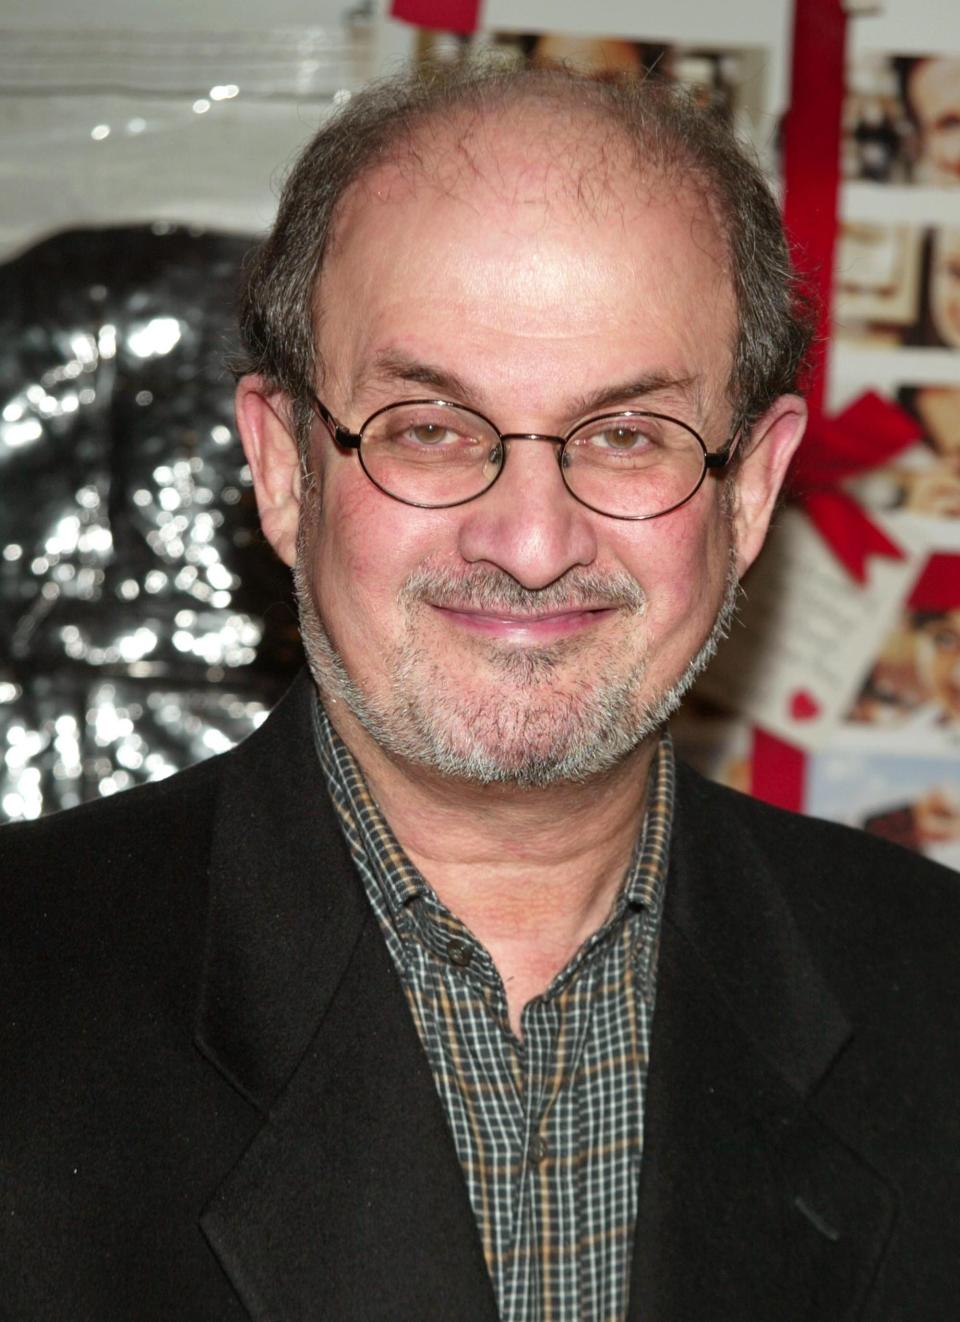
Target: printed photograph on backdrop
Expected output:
[901,119]
[898,285]
[913,685]
[730,82]
[923,480]
[911,799]
[733,82]
[714,76]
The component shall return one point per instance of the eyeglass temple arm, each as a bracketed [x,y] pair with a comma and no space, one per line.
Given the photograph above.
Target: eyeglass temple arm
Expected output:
[348,439]
[720,458]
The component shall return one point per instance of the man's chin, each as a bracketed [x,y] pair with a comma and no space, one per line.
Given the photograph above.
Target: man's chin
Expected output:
[503,733]
[528,744]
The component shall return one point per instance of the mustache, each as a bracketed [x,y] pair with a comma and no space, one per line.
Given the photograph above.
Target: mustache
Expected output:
[491,589]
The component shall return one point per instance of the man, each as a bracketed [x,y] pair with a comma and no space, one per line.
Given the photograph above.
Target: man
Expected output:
[445,996]
[933,100]
[937,641]
[944,286]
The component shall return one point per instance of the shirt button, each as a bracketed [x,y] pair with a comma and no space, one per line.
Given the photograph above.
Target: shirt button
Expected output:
[459,953]
[539,1149]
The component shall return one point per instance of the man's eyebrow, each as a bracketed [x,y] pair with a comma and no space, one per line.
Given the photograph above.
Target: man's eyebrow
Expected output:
[686,388]
[393,366]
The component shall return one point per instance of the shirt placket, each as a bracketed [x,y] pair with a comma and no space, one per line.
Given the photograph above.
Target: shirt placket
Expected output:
[521,1118]
[539,1022]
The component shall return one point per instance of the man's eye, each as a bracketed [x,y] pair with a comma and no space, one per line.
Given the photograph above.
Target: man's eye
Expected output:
[620,438]
[431,433]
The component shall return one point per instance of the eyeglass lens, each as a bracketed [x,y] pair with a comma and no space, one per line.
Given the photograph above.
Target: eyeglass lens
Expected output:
[626,465]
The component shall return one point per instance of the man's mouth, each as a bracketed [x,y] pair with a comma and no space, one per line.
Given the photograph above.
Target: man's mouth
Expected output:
[524,626]
[489,604]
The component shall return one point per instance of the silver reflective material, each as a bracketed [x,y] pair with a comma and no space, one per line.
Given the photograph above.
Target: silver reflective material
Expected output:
[144,624]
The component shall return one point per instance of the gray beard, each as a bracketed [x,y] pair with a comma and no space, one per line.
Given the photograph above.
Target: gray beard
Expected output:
[542,731]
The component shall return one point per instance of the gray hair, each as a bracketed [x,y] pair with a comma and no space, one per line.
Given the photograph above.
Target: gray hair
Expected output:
[669,136]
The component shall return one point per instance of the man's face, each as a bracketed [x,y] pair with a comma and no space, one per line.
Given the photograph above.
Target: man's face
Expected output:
[938,408]
[938,644]
[945,285]
[934,92]
[520,637]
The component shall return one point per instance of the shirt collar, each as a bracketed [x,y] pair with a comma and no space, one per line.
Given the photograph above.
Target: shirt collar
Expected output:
[364,825]
[369,834]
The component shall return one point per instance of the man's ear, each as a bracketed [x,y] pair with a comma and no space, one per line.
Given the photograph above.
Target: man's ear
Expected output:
[760,474]
[271,451]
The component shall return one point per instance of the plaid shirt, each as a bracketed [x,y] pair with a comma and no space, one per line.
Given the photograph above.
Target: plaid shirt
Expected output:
[549,1130]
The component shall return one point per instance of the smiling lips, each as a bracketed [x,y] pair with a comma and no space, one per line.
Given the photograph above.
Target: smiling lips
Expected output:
[520,627]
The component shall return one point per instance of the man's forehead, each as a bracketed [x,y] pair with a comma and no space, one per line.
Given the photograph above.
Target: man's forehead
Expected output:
[489,238]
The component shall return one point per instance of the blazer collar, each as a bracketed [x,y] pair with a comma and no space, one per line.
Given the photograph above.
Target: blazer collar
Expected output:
[727,897]
[286,907]
[350,1202]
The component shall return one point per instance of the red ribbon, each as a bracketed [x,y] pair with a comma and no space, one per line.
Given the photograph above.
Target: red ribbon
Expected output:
[868,433]
[811,159]
[778,772]
[872,430]
[443,15]
[864,435]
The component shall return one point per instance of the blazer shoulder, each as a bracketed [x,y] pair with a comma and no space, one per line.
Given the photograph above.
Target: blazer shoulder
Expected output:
[862,902]
[795,842]
[111,882]
[143,817]
[152,815]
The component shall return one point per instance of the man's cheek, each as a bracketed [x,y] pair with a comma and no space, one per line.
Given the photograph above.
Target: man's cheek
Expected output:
[684,579]
[349,532]
[672,559]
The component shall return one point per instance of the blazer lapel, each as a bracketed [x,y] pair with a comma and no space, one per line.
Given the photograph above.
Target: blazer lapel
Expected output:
[350,1202]
[750,1205]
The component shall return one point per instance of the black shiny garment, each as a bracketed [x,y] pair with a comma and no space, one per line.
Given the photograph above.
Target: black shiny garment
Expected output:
[144,623]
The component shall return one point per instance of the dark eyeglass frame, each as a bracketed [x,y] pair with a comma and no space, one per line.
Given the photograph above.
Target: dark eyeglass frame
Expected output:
[713,460]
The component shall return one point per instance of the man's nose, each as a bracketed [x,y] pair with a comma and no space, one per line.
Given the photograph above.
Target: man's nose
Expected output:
[527,523]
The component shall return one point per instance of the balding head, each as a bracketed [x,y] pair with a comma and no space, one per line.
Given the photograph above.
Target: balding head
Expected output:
[598,138]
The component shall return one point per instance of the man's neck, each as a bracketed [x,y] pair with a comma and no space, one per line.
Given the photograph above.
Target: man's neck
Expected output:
[532,873]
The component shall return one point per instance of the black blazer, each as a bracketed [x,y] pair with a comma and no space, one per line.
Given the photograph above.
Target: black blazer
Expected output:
[215,1106]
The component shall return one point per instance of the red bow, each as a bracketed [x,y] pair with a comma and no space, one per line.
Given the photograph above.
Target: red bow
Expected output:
[444,15]
[864,435]
[938,587]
